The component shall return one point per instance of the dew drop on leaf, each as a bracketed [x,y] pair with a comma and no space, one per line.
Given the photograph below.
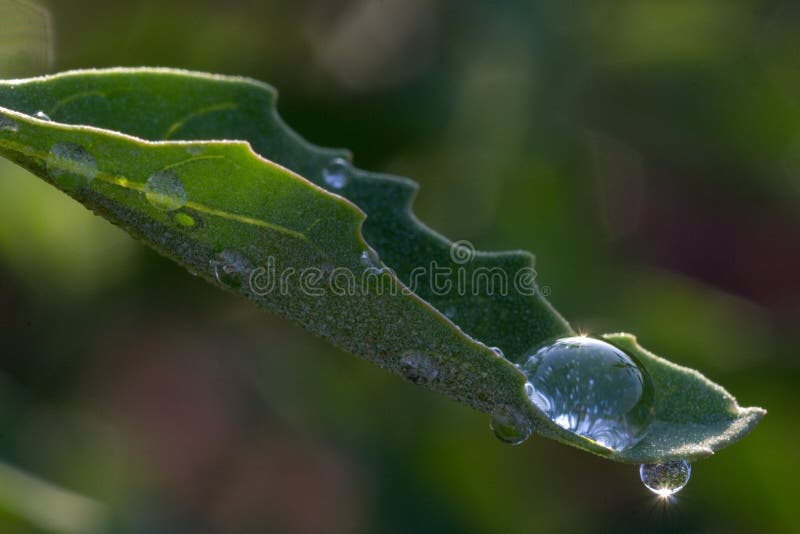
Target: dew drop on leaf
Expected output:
[418,368]
[498,351]
[230,268]
[7,124]
[71,166]
[337,173]
[165,190]
[370,259]
[593,389]
[667,478]
[509,426]
[41,115]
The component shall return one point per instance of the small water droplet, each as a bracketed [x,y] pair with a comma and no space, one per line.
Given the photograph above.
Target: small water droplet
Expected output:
[509,426]
[184,219]
[230,268]
[450,312]
[71,166]
[665,479]
[498,351]
[593,389]
[370,259]
[418,368]
[165,190]
[7,124]
[41,115]
[337,173]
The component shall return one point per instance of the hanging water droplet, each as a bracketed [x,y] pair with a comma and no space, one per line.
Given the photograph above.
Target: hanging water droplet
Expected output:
[165,190]
[593,389]
[509,426]
[230,268]
[665,479]
[418,368]
[184,219]
[71,166]
[7,124]
[41,115]
[337,173]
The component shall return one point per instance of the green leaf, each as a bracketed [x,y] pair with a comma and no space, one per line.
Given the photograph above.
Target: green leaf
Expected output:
[694,416]
[233,189]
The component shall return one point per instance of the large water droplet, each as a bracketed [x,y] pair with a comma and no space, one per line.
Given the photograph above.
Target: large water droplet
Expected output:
[665,479]
[337,173]
[165,190]
[593,389]
[509,426]
[7,124]
[41,115]
[71,166]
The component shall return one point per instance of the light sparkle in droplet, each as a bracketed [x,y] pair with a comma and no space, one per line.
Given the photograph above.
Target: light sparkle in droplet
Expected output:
[665,479]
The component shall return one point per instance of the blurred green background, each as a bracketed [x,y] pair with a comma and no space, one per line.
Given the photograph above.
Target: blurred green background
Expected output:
[648,151]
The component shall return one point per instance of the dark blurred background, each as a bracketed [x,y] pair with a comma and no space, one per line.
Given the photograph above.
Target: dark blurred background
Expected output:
[648,151]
